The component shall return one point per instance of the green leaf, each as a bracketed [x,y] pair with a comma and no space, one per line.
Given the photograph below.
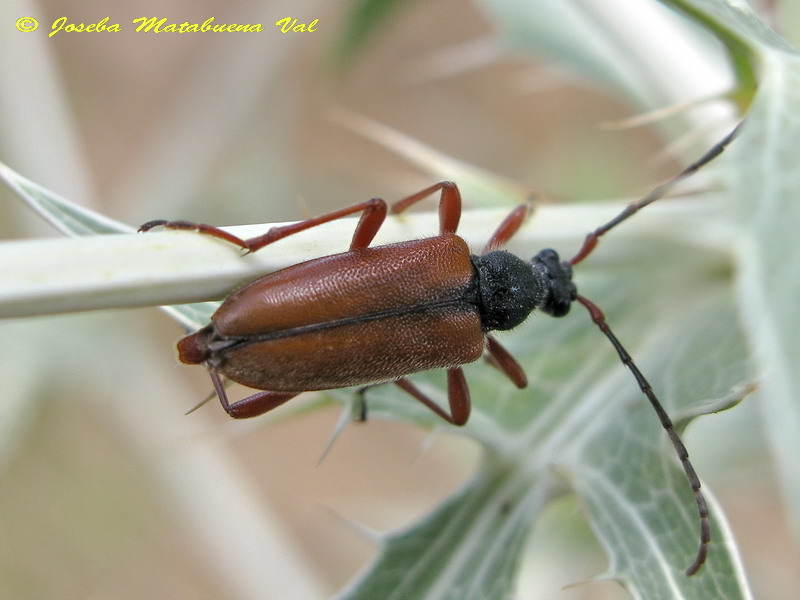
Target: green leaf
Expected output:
[92,275]
[465,549]
[734,23]
[764,210]
[639,50]
[765,207]
[69,218]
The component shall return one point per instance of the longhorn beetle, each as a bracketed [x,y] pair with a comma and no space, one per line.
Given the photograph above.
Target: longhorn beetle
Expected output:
[378,314]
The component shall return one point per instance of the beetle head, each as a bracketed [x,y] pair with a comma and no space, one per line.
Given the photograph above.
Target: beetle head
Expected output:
[555,276]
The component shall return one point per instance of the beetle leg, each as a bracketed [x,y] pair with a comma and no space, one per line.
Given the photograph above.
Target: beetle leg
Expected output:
[501,359]
[457,395]
[373,214]
[200,227]
[508,228]
[252,406]
[372,217]
[257,404]
[449,204]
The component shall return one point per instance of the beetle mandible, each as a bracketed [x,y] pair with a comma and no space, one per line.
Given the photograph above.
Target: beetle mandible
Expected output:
[378,314]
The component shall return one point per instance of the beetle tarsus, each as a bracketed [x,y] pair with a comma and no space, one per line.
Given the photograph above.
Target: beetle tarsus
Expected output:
[151,224]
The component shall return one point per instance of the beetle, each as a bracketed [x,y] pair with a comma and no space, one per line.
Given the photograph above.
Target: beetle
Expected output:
[376,314]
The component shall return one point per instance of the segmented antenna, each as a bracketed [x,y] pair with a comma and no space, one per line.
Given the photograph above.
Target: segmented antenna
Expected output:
[656,194]
[694,481]
[599,319]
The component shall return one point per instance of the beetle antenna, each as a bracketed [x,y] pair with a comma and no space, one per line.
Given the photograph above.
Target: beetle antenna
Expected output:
[694,481]
[656,194]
